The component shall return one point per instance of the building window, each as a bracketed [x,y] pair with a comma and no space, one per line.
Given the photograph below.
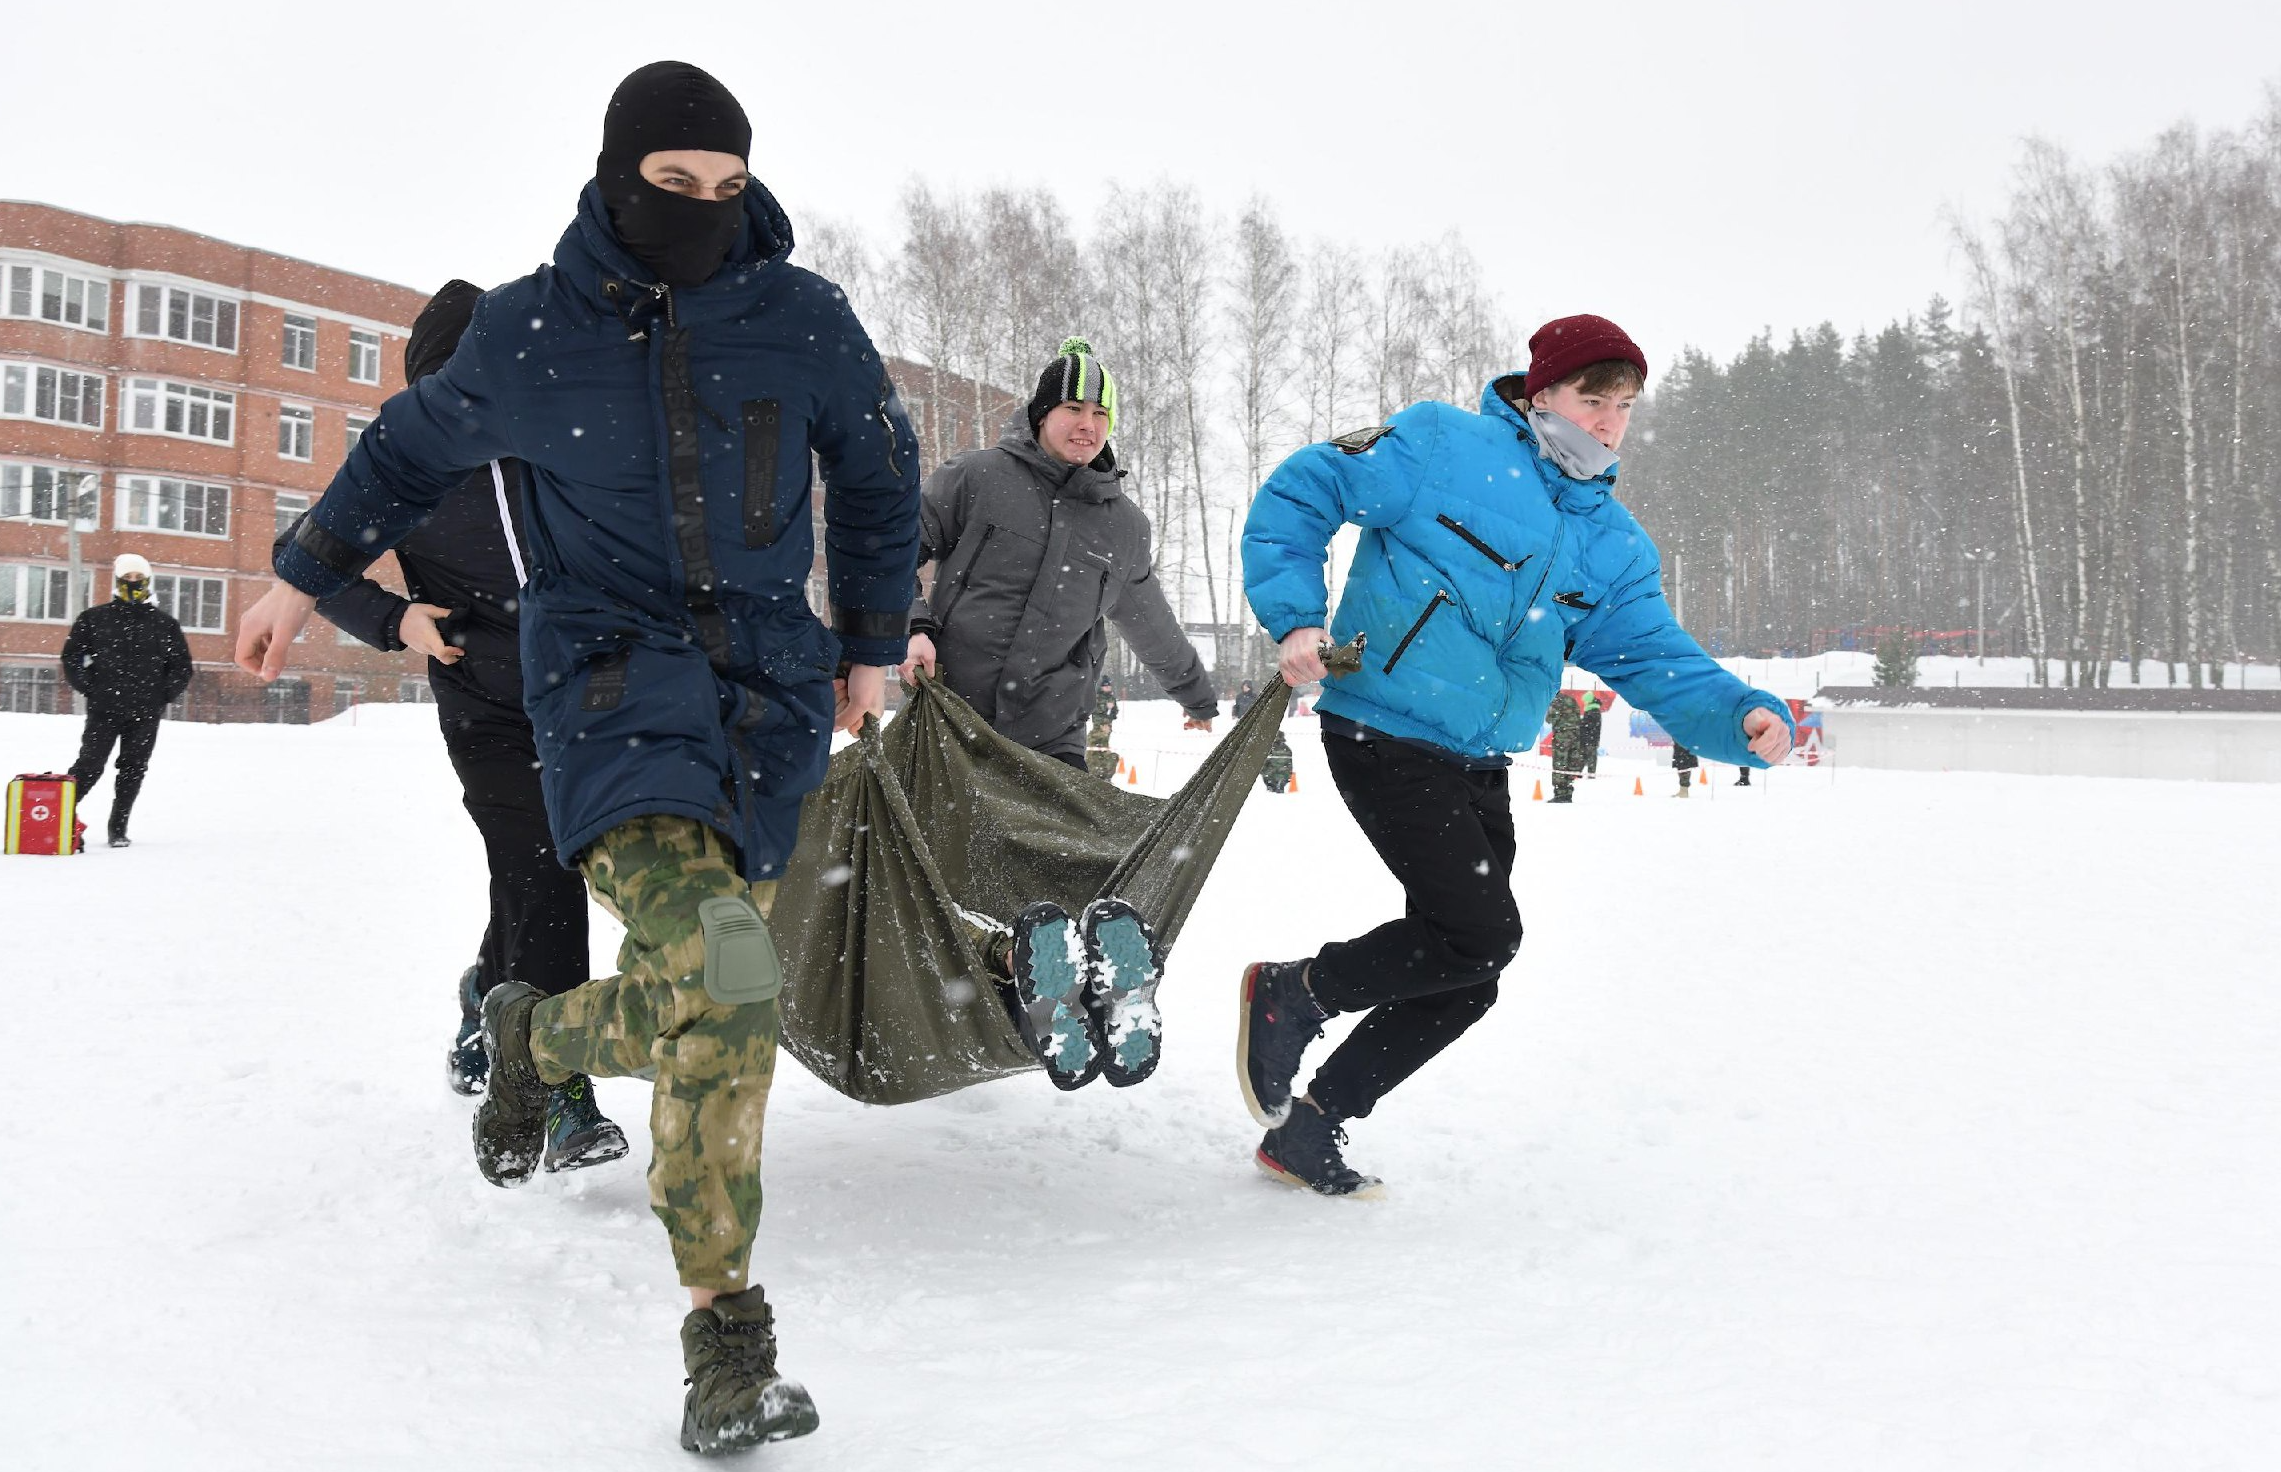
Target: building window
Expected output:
[346,692]
[186,316]
[57,395]
[46,492]
[183,410]
[196,603]
[289,509]
[31,690]
[364,357]
[296,432]
[410,691]
[285,701]
[47,295]
[357,425]
[40,595]
[148,503]
[301,342]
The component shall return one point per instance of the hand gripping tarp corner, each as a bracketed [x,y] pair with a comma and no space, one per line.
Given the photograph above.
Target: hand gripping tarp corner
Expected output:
[937,820]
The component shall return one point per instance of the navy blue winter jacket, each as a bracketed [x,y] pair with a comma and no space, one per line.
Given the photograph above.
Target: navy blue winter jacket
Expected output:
[671,662]
[1482,567]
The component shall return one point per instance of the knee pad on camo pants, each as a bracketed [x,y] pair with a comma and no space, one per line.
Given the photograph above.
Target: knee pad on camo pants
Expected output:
[740,957]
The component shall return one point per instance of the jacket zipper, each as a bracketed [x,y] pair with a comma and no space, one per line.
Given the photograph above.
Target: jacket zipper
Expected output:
[1559,535]
[1480,546]
[1439,598]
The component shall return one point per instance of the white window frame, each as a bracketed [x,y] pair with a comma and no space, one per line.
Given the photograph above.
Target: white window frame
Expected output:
[363,356]
[42,684]
[24,296]
[20,491]
[298,325]
[350,687]
[287,508]
[296,432]
[356,425]
[18,580]
[22,384]
[414,690]
[148,502]
[166,306]
[167,588]
[164,398]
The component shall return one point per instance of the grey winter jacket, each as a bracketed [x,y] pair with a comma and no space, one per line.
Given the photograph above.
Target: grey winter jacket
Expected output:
[1030,555]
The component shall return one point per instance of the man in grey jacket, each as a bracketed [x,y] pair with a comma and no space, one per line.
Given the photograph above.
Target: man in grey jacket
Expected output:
[1034,543]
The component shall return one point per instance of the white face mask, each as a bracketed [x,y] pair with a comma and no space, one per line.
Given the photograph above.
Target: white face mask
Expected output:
[1567,445]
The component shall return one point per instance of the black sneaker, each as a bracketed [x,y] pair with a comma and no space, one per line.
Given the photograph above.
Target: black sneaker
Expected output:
[118,836]
[736,1399]
[578,1133]
[465,1066]
[1122,968]
[1049,995]
[510,1124]
[1277,1021]
[1304,1151]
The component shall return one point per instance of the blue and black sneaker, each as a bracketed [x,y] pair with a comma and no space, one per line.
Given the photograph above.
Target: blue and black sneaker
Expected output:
[1279,1018]
[465,1066]
[578,1133]
[1304,1151]
[1122,967]
[1049,995]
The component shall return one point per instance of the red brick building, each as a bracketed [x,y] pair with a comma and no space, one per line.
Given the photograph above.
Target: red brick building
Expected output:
[191,397]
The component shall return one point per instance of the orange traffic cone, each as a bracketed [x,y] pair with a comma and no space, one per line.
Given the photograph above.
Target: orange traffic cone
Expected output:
[1702,776]
[1120,767]
[1538,795]
[1132,776]
[1294,787]
[1637,790]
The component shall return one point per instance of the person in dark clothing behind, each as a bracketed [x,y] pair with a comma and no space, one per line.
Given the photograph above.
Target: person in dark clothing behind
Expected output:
[128,657]
[1247,694]
[1018,630]
[1684,762]
[1589,735]
[464,569]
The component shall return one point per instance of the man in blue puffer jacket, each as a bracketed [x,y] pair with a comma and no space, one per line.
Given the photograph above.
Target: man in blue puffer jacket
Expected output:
[665,381]
[1492,554]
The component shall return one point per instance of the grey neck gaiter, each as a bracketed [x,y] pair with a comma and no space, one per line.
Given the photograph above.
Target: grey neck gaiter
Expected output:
[1579,456]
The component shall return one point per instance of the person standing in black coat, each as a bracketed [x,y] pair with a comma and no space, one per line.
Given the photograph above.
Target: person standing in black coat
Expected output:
[464,570]
[128,657]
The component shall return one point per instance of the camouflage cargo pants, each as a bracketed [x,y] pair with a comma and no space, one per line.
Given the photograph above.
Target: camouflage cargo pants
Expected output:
[1567,762]
[1099,759]
[713,1061]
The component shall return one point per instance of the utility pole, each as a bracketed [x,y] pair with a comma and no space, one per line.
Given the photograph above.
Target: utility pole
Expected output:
[1980,558]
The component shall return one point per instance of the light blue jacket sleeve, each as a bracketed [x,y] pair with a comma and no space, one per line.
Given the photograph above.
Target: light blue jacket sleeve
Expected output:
[1632,641]
[1315,491]
[425,441]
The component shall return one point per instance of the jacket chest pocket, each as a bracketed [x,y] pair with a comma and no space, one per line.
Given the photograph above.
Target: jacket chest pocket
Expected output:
[765,478]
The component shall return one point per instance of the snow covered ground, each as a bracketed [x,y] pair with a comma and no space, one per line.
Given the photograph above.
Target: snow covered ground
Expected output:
[1789,1146]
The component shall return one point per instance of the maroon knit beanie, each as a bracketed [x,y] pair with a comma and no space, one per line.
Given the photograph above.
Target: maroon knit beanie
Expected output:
[1568,345]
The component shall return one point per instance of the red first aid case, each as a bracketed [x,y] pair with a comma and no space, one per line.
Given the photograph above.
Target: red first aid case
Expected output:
[42,817]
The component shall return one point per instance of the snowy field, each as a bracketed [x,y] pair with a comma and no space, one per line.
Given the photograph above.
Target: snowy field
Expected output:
[1787,1148]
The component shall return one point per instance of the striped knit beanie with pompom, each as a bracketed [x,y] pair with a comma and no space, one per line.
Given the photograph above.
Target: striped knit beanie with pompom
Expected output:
[1075,376]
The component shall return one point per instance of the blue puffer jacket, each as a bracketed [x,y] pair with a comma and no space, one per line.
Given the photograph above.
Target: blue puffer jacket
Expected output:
[1482,568]
[671,662]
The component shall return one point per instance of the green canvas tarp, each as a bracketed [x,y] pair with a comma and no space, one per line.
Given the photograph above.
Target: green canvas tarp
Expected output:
[936,819]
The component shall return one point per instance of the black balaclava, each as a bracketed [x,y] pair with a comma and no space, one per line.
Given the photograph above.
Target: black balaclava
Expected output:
[668,105]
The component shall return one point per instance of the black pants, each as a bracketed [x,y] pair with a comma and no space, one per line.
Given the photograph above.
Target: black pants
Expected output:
[134,734]
[537,932]
[1447,834]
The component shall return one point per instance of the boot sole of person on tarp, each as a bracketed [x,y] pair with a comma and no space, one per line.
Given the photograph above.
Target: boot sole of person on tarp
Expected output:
[1120,997]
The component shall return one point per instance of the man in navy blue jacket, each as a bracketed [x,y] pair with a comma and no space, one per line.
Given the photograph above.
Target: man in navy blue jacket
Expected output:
[1493,553]
[666,381]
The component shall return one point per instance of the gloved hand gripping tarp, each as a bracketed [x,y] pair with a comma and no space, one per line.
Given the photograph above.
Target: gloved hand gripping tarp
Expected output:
[939,819]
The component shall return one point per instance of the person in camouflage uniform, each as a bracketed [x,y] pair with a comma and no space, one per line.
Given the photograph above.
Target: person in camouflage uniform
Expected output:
[1099,759]
[1589,741]
[1567,746]
[1276,775]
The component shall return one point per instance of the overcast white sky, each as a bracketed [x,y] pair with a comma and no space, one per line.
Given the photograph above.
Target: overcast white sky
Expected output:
[1696,171]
